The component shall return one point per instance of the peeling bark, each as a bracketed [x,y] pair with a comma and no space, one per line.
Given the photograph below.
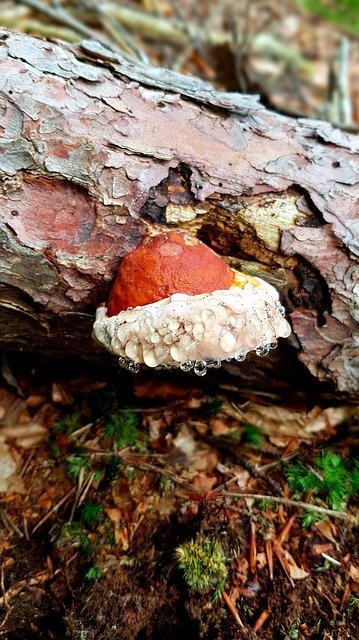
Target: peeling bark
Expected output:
[95,149]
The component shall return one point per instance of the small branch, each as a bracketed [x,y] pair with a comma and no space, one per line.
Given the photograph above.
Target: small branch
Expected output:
[292,503]
[339,108]
[54,509]
[62,16]
[9,524]
[145,466]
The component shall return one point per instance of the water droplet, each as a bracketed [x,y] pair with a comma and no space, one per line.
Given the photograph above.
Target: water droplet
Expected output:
[241,355]
[134,367]
[262,350]
[174,325]
[200,368]
[186,366]
[273,345]
[214,364]
[122,361]
[281,310]
[207,315]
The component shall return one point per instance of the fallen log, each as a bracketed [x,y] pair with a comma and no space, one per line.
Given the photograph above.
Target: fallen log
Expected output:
[97,149]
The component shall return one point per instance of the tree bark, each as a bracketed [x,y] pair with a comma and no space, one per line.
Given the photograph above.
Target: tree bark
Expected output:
[96,148]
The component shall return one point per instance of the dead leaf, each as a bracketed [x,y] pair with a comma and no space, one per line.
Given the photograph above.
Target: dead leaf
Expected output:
[26,434]
[9,478]
[261,560]
[297,573]
[278,421]
[114,514]
[35,400]
[328,529]
[354,573]
[204,482]
[218,427]
[60,395]
[45,502]
[153,388]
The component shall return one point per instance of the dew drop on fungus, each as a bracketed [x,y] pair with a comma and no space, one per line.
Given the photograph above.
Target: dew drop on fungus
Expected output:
[240,356]
[281,310]
[262,350]
[208,315]
[214,364]
[186,366]
[200,368]
[134,367]
[273,345]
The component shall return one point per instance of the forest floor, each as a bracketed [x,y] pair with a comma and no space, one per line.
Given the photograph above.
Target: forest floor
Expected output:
[126,511]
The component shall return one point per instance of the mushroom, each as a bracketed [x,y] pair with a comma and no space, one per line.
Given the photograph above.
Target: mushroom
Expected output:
[176,303]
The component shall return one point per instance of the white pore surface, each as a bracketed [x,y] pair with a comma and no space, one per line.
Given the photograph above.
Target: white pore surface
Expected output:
[183,330]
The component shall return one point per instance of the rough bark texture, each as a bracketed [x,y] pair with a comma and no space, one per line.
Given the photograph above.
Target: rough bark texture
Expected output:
[95,148]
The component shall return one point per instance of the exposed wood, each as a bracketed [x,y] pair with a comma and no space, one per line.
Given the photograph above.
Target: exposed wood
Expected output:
[95,148]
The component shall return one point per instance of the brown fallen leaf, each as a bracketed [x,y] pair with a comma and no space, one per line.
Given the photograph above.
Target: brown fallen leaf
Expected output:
[277,421]
[297,573]
[354,573]
[153,388]
[204,482]
[218,427]
[328,529]
[9,478]
[114,513]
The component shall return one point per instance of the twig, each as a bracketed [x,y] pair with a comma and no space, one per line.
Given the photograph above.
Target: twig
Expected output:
[330,559]
[62,16]
[54,509]
[9,524]
[228,447]
[290,503]
[145,466]
[24,526]
[81,430]
[27,462]
[339,108]
[119,34]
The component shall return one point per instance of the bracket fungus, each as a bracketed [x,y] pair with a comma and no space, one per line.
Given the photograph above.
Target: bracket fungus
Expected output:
[176,303]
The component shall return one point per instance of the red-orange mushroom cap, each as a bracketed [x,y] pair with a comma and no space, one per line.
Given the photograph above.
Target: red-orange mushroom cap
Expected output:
[171,262]
[176,303]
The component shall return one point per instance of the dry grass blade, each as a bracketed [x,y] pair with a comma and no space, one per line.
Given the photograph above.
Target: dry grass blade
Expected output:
[54,510]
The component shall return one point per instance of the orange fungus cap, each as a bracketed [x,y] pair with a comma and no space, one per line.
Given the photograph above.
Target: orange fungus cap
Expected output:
[171,262]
